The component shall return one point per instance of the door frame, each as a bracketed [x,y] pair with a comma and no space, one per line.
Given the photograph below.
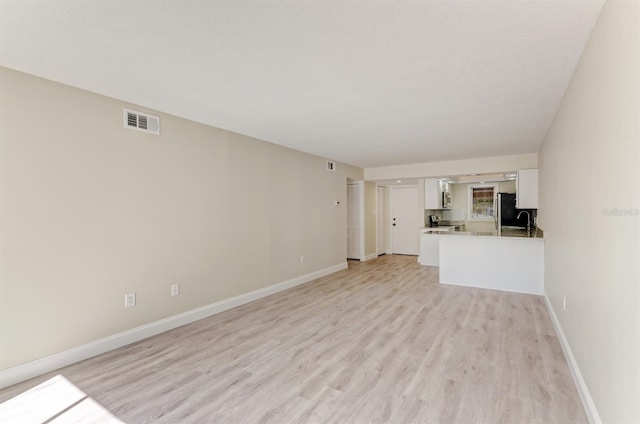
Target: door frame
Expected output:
[382,220]
[360,185]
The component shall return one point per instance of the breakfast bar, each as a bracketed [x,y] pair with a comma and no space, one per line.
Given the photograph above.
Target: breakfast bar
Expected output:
[501,263]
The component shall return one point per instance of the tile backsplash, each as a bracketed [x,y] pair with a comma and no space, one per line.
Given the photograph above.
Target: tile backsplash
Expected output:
[444,214]
[454,215]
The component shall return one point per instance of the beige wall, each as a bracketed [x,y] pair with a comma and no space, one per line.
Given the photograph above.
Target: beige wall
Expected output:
[589,209]
[90,210]
[370,205]
[454,167]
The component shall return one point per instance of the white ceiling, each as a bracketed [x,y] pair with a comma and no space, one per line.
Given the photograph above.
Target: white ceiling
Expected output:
[370,83]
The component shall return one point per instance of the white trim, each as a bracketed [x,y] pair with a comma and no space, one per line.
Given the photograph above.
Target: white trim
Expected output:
[49,363]
[362,220]
[470,188]
[377,212]
[361,188]
[581,386]
[370,256]
[380,222]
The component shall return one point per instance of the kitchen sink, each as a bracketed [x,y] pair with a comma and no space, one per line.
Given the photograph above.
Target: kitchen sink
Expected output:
[517,232]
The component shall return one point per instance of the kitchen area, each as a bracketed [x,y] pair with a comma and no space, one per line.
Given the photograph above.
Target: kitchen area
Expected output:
[481,231]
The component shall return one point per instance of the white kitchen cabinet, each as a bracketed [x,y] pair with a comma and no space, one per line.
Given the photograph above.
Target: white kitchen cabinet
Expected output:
[432,194]
[527,189]
[429,250]
[433,189]
[429,245]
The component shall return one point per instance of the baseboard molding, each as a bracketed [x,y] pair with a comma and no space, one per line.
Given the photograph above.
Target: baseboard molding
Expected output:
[583,391]
[369,257]
[44,365]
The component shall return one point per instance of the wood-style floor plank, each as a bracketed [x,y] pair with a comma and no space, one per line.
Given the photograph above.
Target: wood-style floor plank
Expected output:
[380,342]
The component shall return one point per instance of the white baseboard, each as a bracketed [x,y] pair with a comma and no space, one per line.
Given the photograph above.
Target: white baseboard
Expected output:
[44,365]
[369,257]
[583,391]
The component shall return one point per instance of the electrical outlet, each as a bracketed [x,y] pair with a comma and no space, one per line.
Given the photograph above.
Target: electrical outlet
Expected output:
[129,300]
[175,289]
[564,303]
[301,259]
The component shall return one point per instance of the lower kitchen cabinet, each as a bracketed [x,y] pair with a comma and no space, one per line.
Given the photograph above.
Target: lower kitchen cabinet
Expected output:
[429,245]
[429,250]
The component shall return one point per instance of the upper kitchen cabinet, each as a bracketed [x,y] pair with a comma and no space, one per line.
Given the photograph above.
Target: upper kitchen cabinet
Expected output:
[437,194]
[431,194]
[527,189]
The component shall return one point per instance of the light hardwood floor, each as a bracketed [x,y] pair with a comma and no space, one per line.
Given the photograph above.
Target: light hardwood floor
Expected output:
[379,342]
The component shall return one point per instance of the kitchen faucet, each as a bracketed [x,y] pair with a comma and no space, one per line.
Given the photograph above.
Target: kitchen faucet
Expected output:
[528,222]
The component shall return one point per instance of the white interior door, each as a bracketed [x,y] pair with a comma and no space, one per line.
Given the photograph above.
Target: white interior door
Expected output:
[382,221]
[354,221]
[405,220]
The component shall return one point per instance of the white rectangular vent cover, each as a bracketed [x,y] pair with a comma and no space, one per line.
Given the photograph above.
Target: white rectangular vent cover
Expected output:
[141,121]
[331,166]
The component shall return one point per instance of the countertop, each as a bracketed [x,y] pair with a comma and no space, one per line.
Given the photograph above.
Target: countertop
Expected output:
[438,229]
[510,233]
[444,222]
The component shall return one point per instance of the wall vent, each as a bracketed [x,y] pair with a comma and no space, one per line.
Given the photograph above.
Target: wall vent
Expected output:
[141,121]
[331,166]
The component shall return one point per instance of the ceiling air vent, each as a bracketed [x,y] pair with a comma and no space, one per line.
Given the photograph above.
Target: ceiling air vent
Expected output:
[141,121]
[331,166]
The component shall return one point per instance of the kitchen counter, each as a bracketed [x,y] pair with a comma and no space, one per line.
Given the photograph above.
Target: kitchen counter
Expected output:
[453,223]
[510,262]
[448,230]
[438,229]
[505,233]
[501,263]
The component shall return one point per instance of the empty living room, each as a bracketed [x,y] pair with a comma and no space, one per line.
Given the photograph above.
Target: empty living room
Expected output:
[320,211]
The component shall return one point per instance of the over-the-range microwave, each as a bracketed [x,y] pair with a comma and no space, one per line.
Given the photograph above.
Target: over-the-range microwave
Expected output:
[446,200]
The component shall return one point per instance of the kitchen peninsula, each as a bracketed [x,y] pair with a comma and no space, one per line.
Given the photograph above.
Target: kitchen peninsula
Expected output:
[511,262]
